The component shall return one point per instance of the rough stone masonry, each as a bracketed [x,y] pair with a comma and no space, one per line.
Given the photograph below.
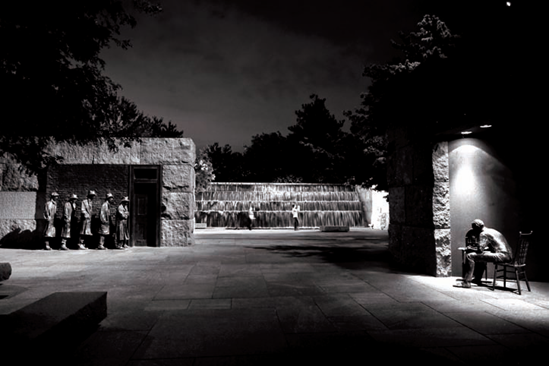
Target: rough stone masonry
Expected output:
[23,196]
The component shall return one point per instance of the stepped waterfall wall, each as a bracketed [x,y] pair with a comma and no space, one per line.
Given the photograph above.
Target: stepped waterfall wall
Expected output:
[227,205]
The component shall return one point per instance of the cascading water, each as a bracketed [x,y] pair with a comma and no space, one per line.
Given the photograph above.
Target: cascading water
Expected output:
[227,205]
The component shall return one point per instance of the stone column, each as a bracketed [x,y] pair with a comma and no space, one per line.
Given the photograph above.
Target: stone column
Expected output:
[441,209]
[418,181]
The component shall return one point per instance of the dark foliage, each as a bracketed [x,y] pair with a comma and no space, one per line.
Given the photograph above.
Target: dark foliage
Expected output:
[227,164]
[51,77]
[317,149]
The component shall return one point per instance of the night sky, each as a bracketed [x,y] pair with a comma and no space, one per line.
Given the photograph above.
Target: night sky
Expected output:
[225,70]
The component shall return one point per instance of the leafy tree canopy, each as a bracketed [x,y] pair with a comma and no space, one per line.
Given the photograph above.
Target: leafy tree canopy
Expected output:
[204,170]
[317,149]
[51,76]
[227,164]
[416,89]
[409,88]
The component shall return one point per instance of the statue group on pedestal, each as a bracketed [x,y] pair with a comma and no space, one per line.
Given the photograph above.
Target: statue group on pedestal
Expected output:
[82,229]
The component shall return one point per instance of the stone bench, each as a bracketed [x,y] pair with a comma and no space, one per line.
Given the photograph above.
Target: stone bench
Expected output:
[334,228]
[5,271]
[200,225]
[47,326]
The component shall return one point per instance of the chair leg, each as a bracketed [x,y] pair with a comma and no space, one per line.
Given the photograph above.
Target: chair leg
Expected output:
[495,273]
[526,279]
[518,280]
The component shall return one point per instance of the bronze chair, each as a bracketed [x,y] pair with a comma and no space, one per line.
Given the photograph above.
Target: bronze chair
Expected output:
[518,265]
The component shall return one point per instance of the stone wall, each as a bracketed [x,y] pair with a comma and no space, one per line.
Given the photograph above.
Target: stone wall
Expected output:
[419,230]
[175,155]
[19,199]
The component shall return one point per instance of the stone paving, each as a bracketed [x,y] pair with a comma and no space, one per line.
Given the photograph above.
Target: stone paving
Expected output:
[269,296]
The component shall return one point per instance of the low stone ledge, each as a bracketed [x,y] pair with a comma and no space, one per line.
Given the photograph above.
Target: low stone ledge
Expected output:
[334,228]
[200,225]
[5,271]
[62,316]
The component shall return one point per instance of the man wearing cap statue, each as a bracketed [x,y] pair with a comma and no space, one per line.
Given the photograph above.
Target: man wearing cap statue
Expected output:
[483,245]
[122,233]
[86,209]
[105,218]
[69,217]
[49,214]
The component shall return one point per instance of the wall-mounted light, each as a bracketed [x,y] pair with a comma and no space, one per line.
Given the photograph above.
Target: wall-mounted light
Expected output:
[466,132]
[485,126]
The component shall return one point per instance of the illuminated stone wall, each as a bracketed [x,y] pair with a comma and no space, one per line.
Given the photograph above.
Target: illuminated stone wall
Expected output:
[483,187]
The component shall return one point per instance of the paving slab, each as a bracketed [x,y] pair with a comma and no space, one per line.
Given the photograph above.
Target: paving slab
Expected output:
[213,332]
[267,297]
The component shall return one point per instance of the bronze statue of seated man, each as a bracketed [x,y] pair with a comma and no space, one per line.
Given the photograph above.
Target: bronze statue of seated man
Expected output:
[483,245]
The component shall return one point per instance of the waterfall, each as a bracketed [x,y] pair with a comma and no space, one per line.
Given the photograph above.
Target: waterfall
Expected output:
[227,204]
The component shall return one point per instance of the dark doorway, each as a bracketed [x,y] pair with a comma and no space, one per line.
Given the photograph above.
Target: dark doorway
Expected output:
[145,210]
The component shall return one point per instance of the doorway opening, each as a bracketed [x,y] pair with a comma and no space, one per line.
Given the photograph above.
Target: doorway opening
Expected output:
[145,210]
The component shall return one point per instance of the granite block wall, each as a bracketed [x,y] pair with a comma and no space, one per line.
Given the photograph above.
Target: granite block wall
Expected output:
[19,200]
[418,180]
[96,167]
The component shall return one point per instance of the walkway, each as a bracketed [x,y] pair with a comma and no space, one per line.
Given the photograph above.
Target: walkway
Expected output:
[271,296]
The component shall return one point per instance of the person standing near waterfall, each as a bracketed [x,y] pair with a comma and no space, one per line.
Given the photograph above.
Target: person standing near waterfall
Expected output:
[295,214]
[251,216]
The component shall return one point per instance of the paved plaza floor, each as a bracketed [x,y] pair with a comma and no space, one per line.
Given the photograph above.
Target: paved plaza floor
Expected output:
[266,297]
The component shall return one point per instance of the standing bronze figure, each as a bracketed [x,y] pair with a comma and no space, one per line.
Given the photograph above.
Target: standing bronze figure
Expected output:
[122,232]
[87,209]
[105,218]
[49,214]
[69,217]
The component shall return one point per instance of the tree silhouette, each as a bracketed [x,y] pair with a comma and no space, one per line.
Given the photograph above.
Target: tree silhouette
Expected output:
[315,150]
[51,76]
[227,165]
[421,89]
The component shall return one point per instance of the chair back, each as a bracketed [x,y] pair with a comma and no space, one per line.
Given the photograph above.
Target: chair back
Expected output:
[522,249]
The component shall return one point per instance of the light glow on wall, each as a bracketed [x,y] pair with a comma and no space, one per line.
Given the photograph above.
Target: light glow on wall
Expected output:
[466,179]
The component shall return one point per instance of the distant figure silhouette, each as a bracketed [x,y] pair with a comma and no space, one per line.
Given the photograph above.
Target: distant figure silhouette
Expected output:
[295,213]
[251,216]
